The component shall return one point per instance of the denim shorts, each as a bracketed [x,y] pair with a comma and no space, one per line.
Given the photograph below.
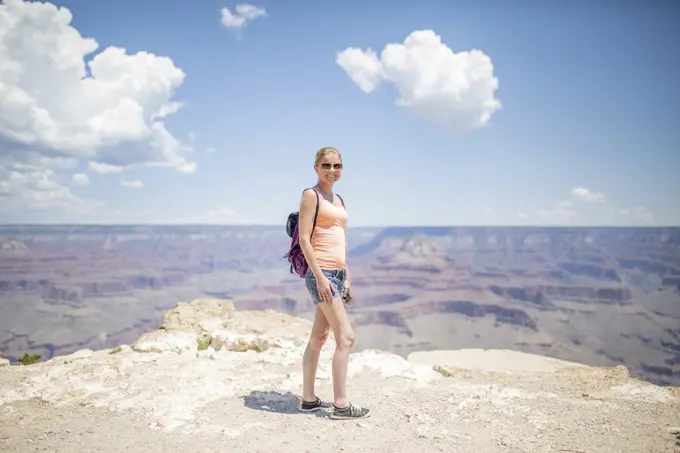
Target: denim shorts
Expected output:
[335,276]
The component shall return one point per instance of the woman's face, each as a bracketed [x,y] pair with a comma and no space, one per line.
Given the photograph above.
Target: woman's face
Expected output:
[329,168]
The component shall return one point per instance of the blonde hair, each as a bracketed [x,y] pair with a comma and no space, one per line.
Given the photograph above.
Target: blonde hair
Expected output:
[324,151]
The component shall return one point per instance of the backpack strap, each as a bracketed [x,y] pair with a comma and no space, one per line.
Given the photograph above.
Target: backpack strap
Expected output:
[315,212]
[341,200]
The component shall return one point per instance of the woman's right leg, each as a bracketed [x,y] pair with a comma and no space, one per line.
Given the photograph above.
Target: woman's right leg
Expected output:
[344,339]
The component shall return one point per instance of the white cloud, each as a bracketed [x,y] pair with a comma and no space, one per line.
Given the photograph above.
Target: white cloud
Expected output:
[565,210]
[187,168]
[363,67]
[522,216]
[243,14]
[593,210]
[80,179]
[136,184]
[106,110]
[639,213]
[39,190]
[583,194]
[561,212]
[23,160]
[210,150]
[455,90]
[557,214]
[220,215]
[488,210]
[98,167]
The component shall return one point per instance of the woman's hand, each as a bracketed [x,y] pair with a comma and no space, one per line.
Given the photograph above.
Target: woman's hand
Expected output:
[348,292]
[323,286]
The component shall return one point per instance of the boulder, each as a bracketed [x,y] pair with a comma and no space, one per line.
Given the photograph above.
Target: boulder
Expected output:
[201,316]
[178,341]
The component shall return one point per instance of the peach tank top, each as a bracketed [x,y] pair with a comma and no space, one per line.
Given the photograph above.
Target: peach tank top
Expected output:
[328,239]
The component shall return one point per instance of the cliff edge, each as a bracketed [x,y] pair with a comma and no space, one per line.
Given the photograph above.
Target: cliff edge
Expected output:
[216,379]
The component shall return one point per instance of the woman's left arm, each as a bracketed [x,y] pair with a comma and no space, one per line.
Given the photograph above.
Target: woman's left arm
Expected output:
[346,248]
[346,262]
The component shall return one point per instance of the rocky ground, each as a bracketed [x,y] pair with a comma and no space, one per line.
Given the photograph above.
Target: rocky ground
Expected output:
[215,379]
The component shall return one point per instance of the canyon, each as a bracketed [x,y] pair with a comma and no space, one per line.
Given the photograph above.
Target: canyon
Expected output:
[598,296]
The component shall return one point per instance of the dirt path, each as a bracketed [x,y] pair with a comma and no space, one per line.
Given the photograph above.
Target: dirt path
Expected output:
[472,416]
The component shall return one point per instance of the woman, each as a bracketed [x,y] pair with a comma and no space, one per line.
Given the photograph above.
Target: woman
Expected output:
[327,281]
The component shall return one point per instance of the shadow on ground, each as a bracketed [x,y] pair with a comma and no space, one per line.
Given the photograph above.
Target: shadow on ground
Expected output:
[280,403]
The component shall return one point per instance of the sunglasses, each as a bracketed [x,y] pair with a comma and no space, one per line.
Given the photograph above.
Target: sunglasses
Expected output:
[327,166]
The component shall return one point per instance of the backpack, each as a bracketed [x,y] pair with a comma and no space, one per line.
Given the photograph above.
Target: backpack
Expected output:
[295,256]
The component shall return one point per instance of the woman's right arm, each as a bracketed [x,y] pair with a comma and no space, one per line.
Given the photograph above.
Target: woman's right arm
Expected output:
[306,222]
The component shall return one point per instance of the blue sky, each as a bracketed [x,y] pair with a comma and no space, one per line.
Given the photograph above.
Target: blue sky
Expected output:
[586,133]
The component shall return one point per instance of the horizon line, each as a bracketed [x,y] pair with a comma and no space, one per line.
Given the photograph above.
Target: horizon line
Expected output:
[282,225]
